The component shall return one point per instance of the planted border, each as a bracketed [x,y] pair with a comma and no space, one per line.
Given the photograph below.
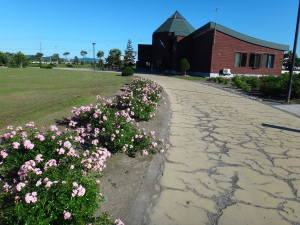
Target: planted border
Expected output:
[273,86]
[53,177]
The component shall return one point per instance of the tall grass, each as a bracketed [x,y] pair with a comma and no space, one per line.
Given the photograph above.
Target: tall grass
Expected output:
[44,96]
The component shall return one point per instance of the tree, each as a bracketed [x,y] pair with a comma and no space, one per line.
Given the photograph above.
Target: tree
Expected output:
[39,56]
[114,58]
[297,62]
[66,55]
[83,54]
[287,60]
[184,65]
[20,59]
[129,57]
[56,57]
[76,60]
[100,54]
[100,64]
[3,59]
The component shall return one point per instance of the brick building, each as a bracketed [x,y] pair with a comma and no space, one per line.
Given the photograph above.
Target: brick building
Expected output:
[211,50]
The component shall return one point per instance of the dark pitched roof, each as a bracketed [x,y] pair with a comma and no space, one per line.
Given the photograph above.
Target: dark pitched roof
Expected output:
[177,24]
[211,25]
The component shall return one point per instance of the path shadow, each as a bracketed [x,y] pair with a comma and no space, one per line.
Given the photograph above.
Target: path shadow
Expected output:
[281,128]
[62,122]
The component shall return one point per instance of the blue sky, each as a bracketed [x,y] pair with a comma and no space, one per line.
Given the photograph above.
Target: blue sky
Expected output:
[60,26]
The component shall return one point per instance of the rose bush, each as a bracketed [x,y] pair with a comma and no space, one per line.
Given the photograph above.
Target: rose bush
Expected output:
[141,98]
[114,129]
[44,177]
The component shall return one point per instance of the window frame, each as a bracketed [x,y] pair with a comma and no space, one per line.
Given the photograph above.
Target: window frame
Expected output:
[241,59]
[268,61]
[256,64]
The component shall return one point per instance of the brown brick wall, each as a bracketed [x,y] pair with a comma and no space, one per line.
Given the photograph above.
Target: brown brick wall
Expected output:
[160,52]
[224,52]
[202,53]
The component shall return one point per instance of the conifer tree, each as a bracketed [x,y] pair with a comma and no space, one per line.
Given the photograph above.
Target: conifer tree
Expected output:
[184,65]
[129,57]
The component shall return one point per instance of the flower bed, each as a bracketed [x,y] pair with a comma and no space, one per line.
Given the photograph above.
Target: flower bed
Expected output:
[271,86]
[54,176]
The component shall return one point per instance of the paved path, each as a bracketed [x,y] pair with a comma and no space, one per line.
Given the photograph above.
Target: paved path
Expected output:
[294,109]
[230,160]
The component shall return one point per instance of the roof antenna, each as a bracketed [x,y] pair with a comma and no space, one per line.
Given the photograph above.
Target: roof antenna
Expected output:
[217,8]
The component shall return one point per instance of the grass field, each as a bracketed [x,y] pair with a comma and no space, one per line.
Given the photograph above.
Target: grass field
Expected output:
[44,96]
[192,78]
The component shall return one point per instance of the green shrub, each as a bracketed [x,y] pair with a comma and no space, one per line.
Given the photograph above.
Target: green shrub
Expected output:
[220,79]
[238,83]
[235,78]
[47,66]
[34,64]
[128,71]
[254,82]
[274,85]
[246,88]
[295,93]
[227,81]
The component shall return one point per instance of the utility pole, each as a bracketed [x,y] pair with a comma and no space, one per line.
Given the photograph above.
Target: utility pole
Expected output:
[41,50]
[216,24]
[293,57]
[94,56]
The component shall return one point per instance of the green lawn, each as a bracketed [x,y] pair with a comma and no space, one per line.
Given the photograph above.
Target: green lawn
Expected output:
[44,96]
[192,78]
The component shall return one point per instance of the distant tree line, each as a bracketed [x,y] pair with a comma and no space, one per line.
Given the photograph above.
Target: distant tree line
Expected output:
[13,59]
[114,60]
[287,61]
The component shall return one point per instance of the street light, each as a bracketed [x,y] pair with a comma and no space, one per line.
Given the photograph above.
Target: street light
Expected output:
[289,90]
[94,55]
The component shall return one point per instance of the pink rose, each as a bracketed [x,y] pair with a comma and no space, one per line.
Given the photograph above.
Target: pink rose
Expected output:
[3,154]
[38,158]
[119,222]
[16,145]
[20,186]
[30,124]
[144,152]
[31,197]
[67,215]
[67,144]
[28,145]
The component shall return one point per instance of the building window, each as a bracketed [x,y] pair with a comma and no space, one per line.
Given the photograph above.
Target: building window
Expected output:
[268,61]
[240,59]
[254,60]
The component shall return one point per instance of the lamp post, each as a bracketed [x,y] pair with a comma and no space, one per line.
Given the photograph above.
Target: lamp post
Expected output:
[94,56]
[289,90]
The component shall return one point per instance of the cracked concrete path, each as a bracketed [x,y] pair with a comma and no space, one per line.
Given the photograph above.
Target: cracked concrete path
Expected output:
[230,160]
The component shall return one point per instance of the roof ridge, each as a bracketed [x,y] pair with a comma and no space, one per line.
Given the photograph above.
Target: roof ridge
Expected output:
[176,15]
[176,24]
[238,35]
